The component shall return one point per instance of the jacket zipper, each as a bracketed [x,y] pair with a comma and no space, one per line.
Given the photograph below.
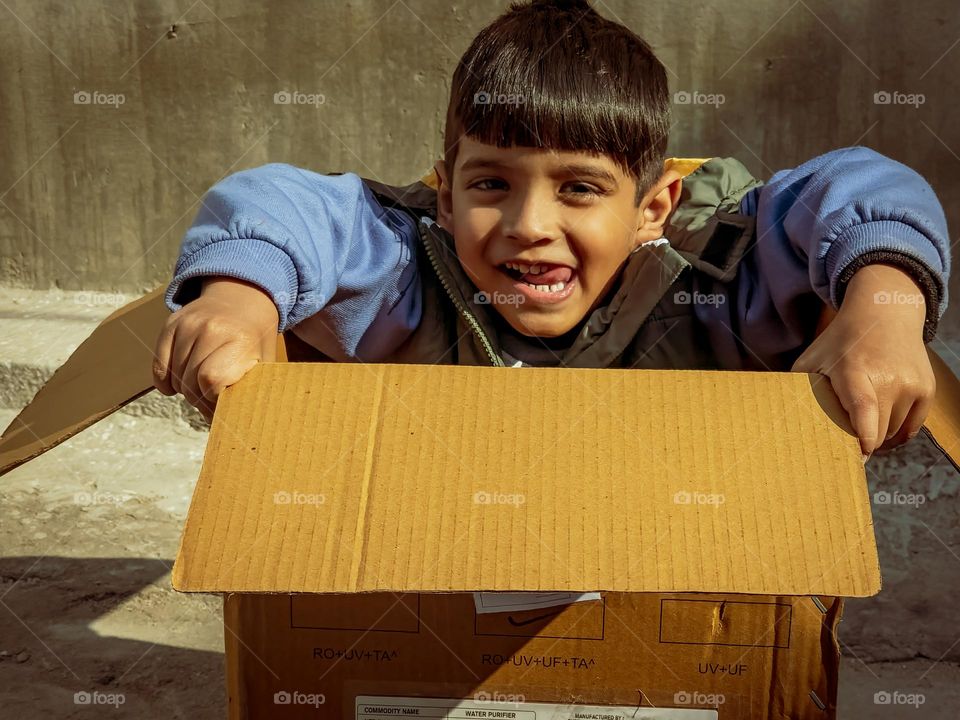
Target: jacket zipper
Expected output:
[495,360]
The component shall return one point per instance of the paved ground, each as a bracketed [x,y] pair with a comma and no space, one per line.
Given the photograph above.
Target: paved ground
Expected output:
[88,534]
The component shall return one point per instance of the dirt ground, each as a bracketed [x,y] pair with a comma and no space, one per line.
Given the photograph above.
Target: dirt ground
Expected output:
[88,534]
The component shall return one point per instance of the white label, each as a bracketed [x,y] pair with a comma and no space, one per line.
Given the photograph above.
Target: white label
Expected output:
[492,602]
[371,707]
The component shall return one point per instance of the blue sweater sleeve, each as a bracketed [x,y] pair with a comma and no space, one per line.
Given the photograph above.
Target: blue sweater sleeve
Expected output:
[340,268]
[816,225]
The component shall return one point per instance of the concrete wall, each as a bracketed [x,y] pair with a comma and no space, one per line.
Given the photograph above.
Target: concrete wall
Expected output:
[97,196]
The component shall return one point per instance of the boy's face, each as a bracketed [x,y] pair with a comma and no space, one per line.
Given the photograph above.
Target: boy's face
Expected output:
[544,234]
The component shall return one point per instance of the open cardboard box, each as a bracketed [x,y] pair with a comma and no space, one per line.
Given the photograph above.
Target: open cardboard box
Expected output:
[347,513]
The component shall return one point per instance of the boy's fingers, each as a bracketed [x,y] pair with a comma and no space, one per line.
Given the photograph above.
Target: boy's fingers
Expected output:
[859,399]
[180,356]
[898,415]
[912,423]
[191,382]
[219,370]
[911,412]
[918,415]
[161,360]
[884,412]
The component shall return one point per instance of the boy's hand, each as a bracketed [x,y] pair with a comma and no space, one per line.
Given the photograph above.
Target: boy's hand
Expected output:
[213,341]
[874,355]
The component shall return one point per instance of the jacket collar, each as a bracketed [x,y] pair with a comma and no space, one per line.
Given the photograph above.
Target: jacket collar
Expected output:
[646,276]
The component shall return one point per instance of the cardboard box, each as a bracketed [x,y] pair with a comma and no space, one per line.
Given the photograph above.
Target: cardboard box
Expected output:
[348,512]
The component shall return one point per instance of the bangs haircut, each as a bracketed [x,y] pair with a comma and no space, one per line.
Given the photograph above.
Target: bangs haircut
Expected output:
[557,75]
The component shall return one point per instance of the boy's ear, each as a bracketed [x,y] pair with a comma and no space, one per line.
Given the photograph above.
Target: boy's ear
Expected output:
[444,197]
[657,206]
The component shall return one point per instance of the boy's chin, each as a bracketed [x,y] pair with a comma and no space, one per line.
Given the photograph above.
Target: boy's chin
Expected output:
[536,324]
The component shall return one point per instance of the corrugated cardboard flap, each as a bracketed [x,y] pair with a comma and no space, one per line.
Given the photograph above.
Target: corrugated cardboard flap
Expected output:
[943,422]
[111,368]
[353,478]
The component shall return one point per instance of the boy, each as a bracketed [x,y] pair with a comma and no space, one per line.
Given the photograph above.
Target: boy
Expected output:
[557,235]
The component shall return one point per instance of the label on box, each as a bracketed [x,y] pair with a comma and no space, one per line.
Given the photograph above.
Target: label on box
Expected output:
[370,707]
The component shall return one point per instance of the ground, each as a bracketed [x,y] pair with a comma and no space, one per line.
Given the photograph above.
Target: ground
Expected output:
[88,534]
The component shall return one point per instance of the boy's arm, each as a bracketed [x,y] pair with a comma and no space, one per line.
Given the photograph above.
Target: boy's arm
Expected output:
[324,250]
[276,248]
[823,230]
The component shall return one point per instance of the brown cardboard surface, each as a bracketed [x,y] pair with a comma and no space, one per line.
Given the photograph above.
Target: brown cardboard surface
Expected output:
[943,421]
[111,368]
[357,478]
[754,657]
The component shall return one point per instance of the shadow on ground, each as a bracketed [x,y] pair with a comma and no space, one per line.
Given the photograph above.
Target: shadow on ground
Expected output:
[79,636]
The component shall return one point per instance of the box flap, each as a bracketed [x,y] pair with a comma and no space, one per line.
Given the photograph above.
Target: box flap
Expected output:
[353,478]
[109,369]
[943,421]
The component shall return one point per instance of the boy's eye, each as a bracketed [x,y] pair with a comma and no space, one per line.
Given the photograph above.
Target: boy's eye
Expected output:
[582,189]
[489,184]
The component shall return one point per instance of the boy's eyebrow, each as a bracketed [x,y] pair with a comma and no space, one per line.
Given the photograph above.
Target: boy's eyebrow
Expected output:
[588,171]
[480,163]
[580,170]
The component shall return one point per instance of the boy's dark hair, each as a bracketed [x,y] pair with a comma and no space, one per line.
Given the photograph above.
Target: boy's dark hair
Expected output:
[557,75]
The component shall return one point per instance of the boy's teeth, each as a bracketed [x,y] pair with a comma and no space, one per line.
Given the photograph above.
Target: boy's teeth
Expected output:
[532,269]
[556,287]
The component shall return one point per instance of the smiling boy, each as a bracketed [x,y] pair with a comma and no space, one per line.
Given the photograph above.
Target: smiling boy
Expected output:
[557,254]
[555,232]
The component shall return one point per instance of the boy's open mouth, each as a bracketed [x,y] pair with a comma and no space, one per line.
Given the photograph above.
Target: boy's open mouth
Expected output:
[544,282]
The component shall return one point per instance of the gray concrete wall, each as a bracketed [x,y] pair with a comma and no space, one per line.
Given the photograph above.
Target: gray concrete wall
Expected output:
[97,196]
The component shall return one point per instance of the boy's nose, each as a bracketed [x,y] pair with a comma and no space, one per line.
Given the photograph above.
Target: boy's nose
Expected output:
[531,220]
